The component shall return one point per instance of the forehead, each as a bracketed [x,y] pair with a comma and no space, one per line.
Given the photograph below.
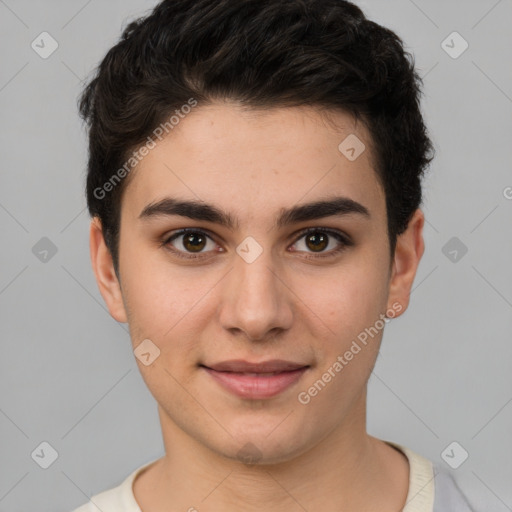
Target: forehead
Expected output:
[257,161]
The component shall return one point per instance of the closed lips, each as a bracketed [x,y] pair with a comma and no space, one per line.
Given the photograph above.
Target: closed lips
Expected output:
[256,381]
[270,367]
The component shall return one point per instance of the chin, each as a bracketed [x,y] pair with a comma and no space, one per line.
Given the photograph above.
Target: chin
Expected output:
[253,446]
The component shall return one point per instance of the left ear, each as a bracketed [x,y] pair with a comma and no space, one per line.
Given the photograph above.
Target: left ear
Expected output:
[409,250]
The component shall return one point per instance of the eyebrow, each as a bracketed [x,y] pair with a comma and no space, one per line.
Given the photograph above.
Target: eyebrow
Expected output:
[199,210]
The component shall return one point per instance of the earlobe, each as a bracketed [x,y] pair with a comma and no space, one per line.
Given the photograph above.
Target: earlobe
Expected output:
[103,268]
[409,250]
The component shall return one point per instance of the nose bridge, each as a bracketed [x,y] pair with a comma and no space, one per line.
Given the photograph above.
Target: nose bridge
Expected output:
[256,301]
[253,271]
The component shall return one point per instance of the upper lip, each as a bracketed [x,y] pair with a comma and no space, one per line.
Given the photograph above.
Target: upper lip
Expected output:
[241,366]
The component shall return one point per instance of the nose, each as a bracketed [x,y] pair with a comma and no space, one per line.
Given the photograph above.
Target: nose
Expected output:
[256,300]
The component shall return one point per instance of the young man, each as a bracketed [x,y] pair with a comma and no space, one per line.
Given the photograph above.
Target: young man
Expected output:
[254,181]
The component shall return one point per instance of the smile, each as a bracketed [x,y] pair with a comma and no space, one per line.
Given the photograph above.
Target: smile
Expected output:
[255,381]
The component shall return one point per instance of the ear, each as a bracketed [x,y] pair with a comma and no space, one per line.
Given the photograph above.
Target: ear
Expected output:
[103,268]
[409,250]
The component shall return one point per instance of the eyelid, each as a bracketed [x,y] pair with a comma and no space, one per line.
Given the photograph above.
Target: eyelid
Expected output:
[331,231]
[175,234]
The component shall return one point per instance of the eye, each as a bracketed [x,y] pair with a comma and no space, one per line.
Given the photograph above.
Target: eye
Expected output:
[319,239]
[194,243]
[189,243]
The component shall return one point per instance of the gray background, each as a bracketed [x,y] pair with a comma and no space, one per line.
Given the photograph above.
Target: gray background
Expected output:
[68,375]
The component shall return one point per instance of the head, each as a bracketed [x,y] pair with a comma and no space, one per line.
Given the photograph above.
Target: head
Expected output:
[254,109]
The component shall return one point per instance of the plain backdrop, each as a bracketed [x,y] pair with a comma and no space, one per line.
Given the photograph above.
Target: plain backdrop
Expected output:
[68,375]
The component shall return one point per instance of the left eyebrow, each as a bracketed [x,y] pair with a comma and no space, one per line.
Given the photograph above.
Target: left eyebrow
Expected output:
[198,210]
[336,206]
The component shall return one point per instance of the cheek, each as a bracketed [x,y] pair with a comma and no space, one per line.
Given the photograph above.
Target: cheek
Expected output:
[160,300]
[351,305]
[350,299]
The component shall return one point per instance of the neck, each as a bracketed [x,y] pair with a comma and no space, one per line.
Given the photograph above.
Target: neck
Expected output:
[335,474]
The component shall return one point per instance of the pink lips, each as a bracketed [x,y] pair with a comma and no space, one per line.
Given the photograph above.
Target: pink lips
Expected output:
[256,380]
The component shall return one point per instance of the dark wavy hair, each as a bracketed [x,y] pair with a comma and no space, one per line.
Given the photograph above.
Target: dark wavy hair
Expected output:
[262,54]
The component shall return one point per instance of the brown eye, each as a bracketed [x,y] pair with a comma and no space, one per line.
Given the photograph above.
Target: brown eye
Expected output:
[194,241]
[317,241]
[190,243]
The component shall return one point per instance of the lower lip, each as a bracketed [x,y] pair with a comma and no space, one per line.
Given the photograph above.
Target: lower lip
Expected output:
[256,387]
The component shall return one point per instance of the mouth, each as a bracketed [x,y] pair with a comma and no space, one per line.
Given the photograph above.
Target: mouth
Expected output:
[256,381]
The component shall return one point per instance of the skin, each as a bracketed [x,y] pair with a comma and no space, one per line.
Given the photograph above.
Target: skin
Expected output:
[314,456]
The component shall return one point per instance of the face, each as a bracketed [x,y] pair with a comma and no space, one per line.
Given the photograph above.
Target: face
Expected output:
[257,278]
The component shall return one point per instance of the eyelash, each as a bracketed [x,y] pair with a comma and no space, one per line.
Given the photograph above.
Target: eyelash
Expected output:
[340,237]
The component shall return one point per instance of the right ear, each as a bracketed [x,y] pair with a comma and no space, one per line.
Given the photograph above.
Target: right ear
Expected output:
[103,267]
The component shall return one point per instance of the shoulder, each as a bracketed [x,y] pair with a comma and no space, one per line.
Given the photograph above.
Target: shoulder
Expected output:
[447,495]
[116,499]
[110,500]
[431,488]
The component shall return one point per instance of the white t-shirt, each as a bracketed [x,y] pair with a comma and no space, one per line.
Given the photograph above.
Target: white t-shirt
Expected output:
[430,490]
